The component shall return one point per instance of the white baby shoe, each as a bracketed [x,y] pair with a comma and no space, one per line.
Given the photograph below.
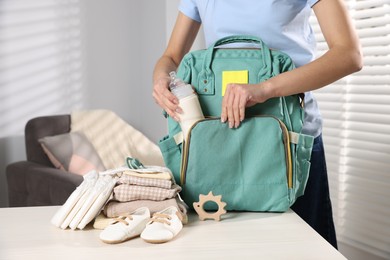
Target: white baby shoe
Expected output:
[163,226]
[126,227]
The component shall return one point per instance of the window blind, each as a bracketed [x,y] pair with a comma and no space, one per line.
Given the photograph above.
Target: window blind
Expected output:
[41,69]
[356,112]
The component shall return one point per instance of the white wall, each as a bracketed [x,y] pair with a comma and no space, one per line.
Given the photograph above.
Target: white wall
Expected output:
[123,40]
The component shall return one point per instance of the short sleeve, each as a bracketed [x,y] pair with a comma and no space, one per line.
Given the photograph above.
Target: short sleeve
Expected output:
[190,9]
[312,2]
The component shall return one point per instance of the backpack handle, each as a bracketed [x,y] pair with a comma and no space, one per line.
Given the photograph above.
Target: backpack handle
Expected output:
[240,39]
[206,77]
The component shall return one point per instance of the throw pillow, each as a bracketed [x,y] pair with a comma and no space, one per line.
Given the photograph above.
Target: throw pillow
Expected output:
[72,152]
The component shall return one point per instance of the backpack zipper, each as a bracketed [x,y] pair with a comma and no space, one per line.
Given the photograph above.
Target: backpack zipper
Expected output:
[184,158]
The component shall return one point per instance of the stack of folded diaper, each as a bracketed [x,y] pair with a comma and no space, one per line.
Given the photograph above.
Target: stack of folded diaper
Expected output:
[85,202]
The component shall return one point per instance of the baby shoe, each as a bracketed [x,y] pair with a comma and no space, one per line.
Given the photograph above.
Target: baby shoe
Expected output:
[126,227]
[163,226]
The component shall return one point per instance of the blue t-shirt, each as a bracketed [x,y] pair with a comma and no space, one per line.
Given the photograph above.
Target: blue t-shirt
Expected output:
[282,25]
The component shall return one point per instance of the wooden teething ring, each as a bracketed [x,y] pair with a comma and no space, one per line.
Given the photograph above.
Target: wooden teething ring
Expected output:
[198,206]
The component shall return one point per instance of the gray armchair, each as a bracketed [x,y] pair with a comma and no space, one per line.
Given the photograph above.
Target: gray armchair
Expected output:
[36,182]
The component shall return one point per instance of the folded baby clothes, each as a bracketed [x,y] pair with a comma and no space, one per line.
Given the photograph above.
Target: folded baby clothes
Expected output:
[156,172]
[115,208]
[152,187]
[125,192]
[145,173]
[149,182]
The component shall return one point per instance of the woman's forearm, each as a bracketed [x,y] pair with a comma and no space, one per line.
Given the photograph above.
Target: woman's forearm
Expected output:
[182,38]
[335,64]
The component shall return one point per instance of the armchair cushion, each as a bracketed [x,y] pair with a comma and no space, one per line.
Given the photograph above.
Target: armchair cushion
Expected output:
[39,127]
[72,152]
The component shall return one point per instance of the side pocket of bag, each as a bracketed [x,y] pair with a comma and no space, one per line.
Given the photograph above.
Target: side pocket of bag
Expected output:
[172,155]
[302,166]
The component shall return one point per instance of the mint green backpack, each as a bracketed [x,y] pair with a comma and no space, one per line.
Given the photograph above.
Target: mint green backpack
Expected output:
[262,165]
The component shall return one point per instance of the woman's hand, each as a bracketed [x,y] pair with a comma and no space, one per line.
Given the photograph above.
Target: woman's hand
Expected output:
[164,98]
[237,98]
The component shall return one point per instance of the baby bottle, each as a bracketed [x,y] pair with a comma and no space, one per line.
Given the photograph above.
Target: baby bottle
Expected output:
[188,101]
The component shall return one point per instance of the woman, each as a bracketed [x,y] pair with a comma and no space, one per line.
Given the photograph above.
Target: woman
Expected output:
[284,26]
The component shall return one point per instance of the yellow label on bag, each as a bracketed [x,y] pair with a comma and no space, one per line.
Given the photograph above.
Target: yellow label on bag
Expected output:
[233,76]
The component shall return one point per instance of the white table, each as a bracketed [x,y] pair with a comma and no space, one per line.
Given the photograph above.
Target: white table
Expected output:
[26,233]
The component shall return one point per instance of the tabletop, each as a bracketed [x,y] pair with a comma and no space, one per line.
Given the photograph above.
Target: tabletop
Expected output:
[26,233]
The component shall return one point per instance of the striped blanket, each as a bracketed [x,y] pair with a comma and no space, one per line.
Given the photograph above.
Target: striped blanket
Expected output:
[114,139]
